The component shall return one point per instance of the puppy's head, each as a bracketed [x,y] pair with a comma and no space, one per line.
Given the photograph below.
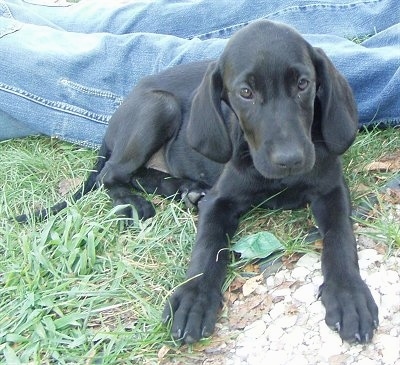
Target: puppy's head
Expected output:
[278,86]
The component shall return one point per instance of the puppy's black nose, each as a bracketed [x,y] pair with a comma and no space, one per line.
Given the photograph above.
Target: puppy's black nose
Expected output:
[287,159]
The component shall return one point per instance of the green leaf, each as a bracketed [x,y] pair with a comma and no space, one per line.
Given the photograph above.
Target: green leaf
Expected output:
[257,246]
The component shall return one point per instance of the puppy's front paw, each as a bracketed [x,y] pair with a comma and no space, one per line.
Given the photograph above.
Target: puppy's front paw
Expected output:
[193,310]
[350,309]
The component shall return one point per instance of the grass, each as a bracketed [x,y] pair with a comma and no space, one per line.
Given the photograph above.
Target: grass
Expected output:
[78,289]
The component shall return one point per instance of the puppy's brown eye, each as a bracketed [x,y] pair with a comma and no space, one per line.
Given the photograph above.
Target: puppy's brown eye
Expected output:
[302,84]
[246,93]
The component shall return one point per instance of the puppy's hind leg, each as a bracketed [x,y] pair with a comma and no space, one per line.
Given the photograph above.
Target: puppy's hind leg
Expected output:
[138,129]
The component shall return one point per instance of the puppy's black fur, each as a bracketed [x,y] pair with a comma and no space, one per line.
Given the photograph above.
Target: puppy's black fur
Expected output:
[267,121]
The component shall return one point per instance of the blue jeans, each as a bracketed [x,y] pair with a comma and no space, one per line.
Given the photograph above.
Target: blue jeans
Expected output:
[64,70]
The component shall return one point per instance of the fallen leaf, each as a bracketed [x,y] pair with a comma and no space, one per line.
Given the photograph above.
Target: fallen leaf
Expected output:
[387,163]
[67,185]
[290,261]
[251,285]
[237,284]
[257,246]
[162,352]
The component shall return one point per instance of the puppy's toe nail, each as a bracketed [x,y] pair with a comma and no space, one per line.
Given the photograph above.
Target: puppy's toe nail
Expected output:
[166,318]
[321,287]
[205,332]
[358,337]
[367,338]
[376,324]
[337,326]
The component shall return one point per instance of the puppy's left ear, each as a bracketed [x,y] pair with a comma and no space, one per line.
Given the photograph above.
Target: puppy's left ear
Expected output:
[206,130]
[339,117]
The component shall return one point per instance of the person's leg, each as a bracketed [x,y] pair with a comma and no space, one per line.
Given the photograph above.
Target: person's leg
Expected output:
[12,128]
[211,18]
[68,84]
[373,71]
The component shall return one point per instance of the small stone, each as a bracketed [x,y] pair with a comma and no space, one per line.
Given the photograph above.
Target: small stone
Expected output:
[317,280]
[277,310]
[363,360]
[298,360]
[309,260]
[367,254]
[270,281]
[274,332]
[390,289]
[294,338]
[300,273]
[275,357]
[339,359]
[390,348]
[286,321]
[390,304]
[375,280]
[331,342]
[306,294]
[256,329]
[392,277]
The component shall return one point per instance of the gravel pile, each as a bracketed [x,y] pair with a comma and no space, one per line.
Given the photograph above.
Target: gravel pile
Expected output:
[294,330]
[282,321]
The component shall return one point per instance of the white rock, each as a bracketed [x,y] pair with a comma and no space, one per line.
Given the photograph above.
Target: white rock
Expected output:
[286,321]
[294,337]
[256,329]
[330,348]
[274,332]
[300,273]
[317,280]
[270,281]
[375,280]
[285,292]
[390,304]
[392,277]
[302,319]
[309,260]
[331,342]
[306,294]
[390,348]
[266,318]
[298,360]
[277,310]
[275,357]
[367,254]
[390,289]
[242,353]
[255,359]
[366,361]
[395,320]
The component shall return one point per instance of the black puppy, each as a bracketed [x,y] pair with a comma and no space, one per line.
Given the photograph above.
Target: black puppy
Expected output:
[266,122]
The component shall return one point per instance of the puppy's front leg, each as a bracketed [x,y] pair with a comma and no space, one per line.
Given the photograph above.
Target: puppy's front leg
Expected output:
[350,307]
[193,307]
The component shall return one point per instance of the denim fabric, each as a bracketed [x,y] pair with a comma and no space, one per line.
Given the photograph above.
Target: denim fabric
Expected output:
[64,70]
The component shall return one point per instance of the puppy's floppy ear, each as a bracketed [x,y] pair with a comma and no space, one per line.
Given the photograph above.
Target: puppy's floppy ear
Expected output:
[206,131]
[339,116]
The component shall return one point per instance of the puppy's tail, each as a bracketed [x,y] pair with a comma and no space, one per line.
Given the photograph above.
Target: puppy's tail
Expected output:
[88,186]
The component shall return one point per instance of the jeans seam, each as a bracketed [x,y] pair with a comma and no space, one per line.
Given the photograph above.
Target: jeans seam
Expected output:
[220,32]
[56,105]
[92,91]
